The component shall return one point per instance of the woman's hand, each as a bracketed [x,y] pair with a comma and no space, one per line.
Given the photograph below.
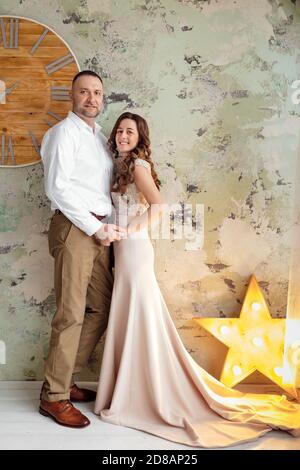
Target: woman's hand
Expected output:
[109,233]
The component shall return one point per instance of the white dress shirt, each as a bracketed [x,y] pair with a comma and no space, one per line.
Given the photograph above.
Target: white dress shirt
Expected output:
[78,172]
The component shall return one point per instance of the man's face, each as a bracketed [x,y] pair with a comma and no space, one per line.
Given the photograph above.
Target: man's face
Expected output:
[87,96]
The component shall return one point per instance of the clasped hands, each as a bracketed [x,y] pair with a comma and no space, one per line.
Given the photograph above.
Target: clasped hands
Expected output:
[109,233]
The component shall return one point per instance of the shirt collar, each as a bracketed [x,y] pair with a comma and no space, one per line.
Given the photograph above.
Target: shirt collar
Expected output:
[81,124]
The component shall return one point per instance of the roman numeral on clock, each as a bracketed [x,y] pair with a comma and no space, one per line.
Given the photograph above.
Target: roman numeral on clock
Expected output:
[38,42]
[12,42]
[60,93]
[7,150]
[54,116]
[59,63]
[35,142]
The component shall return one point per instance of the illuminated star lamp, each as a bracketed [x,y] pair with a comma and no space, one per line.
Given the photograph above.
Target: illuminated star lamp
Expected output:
[255,341]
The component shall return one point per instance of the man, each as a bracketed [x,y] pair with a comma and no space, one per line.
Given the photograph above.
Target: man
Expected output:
[78,172]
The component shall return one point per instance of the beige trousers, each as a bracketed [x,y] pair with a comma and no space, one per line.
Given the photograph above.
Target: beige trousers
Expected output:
[83,284]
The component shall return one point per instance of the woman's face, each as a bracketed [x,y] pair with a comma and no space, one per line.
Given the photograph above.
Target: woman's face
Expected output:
[127,136]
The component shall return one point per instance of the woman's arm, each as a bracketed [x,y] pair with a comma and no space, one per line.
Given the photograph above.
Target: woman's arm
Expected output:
[145,184]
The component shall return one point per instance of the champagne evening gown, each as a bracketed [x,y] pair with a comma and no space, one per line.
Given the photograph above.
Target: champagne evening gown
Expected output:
[148,380]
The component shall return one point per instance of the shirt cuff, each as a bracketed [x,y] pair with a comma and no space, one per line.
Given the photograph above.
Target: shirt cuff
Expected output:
[93,227]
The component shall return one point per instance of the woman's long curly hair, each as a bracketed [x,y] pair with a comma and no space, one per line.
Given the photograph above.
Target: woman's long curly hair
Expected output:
[124,166]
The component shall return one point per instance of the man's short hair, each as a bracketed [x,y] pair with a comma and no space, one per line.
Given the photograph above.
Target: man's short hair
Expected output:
[86,72]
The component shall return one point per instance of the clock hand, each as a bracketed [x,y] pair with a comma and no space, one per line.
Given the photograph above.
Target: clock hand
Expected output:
[7,91]
[10,89]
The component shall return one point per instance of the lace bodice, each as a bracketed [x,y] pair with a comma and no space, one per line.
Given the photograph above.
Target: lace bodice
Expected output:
[132,203]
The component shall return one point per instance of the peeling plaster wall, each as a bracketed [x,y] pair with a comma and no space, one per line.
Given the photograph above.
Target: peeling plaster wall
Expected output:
[213,78]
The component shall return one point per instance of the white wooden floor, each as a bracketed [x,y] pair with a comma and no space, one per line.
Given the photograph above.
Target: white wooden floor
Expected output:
[22,427]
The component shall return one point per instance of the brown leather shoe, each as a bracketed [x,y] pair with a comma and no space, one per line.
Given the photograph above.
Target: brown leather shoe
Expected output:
[64,413]
[81,394]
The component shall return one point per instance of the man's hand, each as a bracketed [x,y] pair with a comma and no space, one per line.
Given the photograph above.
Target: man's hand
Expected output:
[109,233]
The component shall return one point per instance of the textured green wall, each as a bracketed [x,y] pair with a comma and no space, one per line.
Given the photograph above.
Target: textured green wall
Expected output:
[214,79]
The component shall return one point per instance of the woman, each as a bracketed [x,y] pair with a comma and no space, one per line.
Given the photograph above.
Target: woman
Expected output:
[148,380]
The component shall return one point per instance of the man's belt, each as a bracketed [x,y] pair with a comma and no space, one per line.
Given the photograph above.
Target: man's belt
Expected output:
[99,217]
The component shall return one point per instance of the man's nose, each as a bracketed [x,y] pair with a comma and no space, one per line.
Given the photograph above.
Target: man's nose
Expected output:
[92,98]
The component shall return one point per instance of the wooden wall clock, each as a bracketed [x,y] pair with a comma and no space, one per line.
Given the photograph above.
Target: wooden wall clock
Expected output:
[36,71]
